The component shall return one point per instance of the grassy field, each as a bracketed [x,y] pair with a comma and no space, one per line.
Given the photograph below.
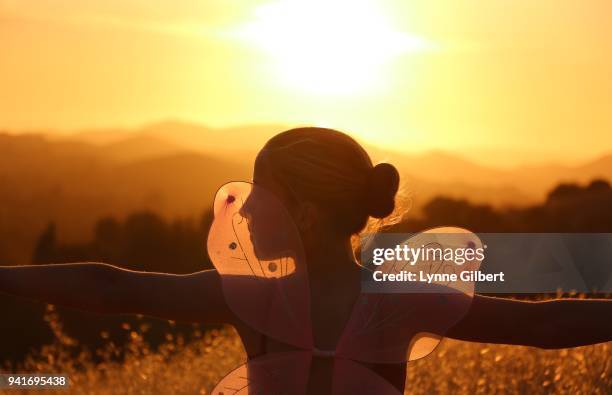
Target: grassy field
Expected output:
[193,368]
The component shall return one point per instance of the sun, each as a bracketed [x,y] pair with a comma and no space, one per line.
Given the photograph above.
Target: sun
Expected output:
[328,47]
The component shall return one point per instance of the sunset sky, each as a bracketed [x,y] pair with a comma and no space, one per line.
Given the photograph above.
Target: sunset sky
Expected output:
[531,79]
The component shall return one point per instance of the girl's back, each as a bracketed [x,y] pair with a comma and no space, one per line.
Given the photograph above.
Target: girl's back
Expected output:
[331,307]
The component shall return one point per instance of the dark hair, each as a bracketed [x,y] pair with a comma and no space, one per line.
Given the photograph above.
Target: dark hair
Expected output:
[330,169]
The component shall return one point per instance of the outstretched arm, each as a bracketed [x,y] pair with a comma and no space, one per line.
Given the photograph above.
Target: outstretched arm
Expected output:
[103,288]
[557,323]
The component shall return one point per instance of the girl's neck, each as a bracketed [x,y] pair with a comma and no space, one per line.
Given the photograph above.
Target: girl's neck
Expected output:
[331,259]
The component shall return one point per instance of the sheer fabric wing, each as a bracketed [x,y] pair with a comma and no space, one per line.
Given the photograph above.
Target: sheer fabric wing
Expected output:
[353,378]
[407,321]
[255,246]
[278,373]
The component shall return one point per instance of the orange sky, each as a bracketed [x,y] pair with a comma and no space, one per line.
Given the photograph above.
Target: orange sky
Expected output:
[530,78]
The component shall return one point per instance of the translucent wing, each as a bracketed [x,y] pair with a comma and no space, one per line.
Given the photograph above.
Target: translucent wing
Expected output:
[278,373]
[256,248]
[287,373]
[353,378]
[407,321]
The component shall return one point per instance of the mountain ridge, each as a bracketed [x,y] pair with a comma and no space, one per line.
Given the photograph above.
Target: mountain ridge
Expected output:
[74,183]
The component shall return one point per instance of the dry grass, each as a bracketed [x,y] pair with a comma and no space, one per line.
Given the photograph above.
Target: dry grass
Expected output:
[473,368]
[455,367]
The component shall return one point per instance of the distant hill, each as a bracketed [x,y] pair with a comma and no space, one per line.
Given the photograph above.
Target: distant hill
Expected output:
[518,186]
[174,168]
[75,183]
[233,143]
[424,173]
[139,147]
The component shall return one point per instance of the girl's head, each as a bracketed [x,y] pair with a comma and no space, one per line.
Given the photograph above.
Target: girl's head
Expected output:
[326,180]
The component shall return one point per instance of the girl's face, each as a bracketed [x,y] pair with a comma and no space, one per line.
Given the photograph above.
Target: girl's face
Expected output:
[268,211]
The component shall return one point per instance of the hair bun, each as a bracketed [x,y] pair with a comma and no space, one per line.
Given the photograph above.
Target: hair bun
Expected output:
[382,185]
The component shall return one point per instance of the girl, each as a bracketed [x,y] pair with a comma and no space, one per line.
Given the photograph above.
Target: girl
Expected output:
[330,188]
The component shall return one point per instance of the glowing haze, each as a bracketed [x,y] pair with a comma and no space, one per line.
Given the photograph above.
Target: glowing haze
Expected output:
[528,79]
[329,47]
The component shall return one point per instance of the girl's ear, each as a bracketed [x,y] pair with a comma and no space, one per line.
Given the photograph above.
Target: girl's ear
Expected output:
[307,216]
